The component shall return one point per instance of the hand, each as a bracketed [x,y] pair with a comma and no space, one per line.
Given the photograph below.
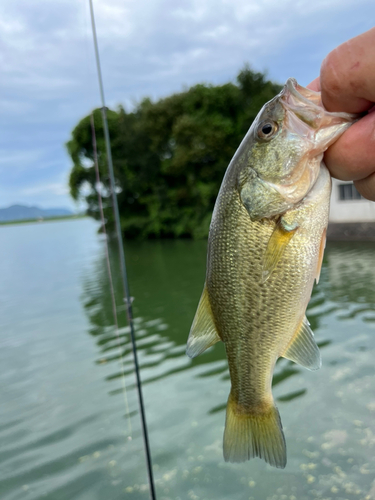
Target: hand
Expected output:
[347,83]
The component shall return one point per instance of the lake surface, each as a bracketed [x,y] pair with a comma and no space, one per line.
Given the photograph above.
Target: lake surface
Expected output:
[69,419]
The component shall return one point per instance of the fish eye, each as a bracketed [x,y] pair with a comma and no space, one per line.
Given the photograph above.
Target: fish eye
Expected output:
[267,130]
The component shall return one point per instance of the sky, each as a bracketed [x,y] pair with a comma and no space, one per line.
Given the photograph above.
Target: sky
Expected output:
[148,48]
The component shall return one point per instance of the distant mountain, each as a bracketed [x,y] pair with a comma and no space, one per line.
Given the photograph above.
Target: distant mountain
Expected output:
[22,212]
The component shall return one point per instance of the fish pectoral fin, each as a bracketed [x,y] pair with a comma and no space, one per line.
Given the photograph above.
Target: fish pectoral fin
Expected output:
[203,333]
[321,253]
[280,238]
[303,349]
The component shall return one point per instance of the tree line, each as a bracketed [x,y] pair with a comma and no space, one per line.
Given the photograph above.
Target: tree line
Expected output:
[169,156]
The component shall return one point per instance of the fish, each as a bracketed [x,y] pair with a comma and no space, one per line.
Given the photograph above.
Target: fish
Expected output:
[265,249]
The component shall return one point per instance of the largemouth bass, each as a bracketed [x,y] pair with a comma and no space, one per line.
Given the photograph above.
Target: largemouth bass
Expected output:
[265,249]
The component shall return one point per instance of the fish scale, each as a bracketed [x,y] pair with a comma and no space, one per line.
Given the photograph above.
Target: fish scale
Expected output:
[265,250]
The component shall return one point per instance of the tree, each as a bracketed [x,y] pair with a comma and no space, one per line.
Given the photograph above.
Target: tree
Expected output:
[169,156]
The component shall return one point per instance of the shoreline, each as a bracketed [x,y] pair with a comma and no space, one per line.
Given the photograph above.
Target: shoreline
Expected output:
[337,231]
[39,221]
[351,231]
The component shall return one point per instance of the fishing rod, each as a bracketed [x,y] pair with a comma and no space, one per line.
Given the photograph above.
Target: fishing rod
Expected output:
[109,271]
[125,283]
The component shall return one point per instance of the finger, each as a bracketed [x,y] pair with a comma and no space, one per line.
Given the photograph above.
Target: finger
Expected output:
[352,157]
[366,187]
[314,85]
[347,75]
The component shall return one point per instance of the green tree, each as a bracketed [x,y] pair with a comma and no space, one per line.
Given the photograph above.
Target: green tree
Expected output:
[169,156]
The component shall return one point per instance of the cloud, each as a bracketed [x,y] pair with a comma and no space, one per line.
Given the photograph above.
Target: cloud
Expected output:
[52,189]
[15,158]
[148,48]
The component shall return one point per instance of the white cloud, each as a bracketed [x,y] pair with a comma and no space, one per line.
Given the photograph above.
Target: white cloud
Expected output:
[52,189]
[148,48]
[20,158]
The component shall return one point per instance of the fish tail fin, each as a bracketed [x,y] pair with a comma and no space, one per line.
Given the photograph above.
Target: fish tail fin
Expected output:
[249,435]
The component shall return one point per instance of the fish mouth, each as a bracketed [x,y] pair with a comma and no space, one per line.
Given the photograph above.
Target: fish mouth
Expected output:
[307,117]
[302,94]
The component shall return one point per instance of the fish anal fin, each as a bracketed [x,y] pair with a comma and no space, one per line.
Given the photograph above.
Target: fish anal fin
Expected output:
[279,240]
[203,333]
[321,254]
[303,349]
[258,434]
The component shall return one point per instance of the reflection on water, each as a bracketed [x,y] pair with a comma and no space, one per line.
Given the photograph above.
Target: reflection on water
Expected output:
[158,278]
[351,275]
[71,439]
[323,453]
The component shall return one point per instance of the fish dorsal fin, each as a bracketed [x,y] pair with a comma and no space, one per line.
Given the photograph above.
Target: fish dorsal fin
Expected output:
[203,333]
[303,349]
[280,238]
[321,253]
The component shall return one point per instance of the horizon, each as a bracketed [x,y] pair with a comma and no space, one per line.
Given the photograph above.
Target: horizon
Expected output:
[32,206]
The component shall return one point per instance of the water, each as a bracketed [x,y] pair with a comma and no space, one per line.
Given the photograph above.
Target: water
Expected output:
[64,425]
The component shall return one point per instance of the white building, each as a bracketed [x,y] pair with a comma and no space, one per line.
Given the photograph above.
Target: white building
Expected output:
[347,205]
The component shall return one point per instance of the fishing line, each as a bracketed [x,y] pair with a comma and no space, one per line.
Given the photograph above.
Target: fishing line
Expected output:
[127,297]
[111,287]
